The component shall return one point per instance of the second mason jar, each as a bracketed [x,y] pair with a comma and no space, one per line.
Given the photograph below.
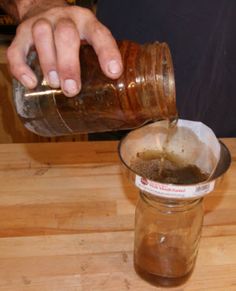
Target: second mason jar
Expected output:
[145,92]
[167,235]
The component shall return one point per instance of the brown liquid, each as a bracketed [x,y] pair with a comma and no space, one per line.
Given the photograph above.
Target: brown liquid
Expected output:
[160,264]
[157,280]
[173,169]
[172,123]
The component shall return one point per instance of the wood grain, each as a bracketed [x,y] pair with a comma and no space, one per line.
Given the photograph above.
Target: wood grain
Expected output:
[67,221]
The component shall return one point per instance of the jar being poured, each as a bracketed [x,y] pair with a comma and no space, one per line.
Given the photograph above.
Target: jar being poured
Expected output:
[145,92]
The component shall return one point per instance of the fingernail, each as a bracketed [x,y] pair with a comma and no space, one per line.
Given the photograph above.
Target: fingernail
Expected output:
[28,81]
[53,79]
[70,87]
[114,67]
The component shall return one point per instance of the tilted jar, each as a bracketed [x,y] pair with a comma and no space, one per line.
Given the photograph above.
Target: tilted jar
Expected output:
[144,92]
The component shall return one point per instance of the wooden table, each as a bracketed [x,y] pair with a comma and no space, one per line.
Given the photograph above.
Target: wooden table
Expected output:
[67,220]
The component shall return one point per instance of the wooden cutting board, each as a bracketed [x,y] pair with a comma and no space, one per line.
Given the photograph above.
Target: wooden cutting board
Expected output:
[67,221]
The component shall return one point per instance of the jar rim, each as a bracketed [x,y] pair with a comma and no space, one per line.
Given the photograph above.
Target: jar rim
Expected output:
[169,204]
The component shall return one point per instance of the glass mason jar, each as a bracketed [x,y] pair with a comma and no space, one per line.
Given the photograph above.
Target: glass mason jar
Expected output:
[145,92]
[167,234]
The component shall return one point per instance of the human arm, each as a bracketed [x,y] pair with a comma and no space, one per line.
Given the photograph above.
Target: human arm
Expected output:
[56,30]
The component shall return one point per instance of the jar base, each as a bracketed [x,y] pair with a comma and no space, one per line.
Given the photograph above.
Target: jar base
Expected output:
[160,280]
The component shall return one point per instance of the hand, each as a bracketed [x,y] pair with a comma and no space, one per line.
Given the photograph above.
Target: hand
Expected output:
[56,34]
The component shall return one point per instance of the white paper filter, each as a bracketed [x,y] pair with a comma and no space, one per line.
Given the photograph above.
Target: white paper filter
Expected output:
[192,141]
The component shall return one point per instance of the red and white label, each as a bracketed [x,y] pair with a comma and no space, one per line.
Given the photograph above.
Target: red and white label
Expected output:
[173,191]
